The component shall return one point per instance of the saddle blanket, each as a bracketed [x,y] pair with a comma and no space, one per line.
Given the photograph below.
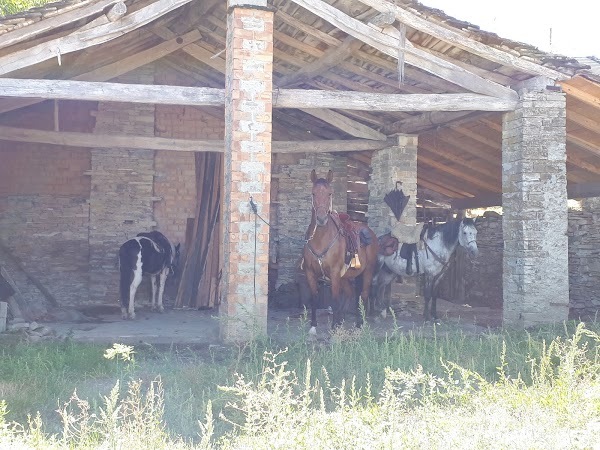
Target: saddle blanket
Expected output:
[407,234]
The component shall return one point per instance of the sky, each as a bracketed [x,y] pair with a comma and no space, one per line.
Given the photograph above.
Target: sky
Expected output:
[575,24]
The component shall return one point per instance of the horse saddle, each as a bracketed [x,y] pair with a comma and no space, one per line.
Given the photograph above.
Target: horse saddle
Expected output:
[388,245]
[354,237]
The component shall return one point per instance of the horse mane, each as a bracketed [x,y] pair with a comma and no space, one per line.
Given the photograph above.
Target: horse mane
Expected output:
[321,181]
[449,230]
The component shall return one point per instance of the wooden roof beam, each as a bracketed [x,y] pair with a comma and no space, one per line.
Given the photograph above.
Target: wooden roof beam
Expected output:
[90,140]
[389,45]
[59,20]
[463,41]
[87,37]
[284,98]
[460,174]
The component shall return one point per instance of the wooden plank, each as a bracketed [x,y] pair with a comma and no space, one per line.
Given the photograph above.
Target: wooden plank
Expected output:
[463,41]
[79,40]
[349,126]
[312,31]
[389,45]
[460,174]
[285,98]
[195,51]
[581,95]
[298,98]
[60,20]
[330,58]
[119,67]
[88,140]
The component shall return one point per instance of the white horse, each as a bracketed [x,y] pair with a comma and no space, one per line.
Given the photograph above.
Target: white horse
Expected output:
[438,243]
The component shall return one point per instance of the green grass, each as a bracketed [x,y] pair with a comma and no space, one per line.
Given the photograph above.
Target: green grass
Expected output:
[10,7]
[415,390]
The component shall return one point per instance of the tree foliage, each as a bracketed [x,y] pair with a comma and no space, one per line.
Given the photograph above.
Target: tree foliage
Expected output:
[9,7]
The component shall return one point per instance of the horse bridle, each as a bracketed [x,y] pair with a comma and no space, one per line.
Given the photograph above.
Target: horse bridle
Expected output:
[321,255]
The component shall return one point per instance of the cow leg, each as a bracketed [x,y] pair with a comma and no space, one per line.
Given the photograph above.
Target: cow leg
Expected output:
[161,288]
[153,279]
[137,279]
[125,283]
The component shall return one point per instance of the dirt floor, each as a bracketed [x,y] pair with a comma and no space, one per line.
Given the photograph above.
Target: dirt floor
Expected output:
[104,324]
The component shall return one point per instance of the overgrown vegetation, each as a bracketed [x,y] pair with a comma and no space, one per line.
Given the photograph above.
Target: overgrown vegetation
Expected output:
[418,390]
[10,7]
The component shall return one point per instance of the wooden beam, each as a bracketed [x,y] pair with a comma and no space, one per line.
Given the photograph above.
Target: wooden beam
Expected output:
[331,58]
[194,50]
[583,121]
[119,67]
[347,125]
[463,41]
[461,174]
[89,140]
[298,98]
[79,40]
[285,98]
[389,45]
[59,20]
[426,121]
[581,95]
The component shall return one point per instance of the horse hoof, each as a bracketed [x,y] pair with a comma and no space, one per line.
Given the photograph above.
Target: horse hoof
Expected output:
[161,310]
[312,331]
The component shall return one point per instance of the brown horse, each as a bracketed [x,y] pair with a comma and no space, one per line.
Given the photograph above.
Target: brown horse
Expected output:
[327,253]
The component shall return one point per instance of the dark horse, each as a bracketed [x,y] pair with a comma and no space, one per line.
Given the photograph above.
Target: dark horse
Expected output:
[147,253]
[329,249]
[438,243]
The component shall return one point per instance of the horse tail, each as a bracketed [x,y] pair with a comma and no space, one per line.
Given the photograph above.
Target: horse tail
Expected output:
[128,258]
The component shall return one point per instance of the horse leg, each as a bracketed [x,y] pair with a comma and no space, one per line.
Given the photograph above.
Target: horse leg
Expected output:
[311,279]
[161,288]
[427,294]
[339,301]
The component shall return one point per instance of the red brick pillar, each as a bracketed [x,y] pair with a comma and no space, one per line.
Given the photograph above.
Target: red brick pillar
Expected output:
[248,105]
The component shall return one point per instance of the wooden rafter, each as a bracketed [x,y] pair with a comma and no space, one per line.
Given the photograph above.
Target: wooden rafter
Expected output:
[389,45]
[349,126]
[60,20]
[460,174]
[87,37]
[463,41]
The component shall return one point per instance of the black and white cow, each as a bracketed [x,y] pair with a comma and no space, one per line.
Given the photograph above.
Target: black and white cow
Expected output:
[147,253]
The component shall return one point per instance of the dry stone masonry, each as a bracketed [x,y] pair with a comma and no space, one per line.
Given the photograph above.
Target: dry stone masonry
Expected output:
[534,200]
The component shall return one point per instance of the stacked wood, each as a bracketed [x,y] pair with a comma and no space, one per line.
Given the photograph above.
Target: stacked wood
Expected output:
[199,286]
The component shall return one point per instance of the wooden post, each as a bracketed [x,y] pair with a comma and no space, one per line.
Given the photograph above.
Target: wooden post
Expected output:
[3,314]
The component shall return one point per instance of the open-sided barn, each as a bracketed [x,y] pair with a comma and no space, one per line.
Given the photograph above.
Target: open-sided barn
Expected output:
[119,117]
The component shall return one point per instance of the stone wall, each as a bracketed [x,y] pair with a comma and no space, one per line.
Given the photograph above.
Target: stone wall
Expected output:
[584,258]
[478,282]
[294,208]
[122,189]
[44,214]
[482,277]
[175,180]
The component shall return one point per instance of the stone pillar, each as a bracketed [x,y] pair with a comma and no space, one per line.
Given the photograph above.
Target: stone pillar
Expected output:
[248,106]
[534,201]
[392,164]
